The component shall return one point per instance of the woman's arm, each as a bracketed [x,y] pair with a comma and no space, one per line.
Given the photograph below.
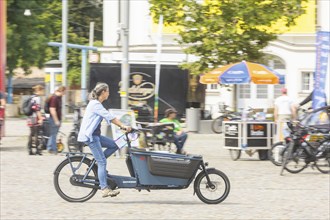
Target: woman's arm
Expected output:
[110,118]
[119,124]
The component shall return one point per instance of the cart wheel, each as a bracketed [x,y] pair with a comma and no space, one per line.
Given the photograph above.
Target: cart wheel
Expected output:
[235,154]
[263,154]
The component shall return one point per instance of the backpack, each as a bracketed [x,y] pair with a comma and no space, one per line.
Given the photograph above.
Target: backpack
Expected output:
[46,107]
[27,106]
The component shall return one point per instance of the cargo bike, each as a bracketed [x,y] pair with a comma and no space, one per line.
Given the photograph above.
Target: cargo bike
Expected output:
[76,180]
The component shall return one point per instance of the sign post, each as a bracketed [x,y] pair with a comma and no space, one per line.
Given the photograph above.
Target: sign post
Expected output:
[157,75]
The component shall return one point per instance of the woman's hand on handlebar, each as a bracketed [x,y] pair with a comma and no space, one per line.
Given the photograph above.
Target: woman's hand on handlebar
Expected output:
[126,128]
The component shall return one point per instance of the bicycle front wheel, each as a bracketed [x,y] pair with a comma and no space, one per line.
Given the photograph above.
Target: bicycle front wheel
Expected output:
[65,179]
[275,154]
[295,160]
[217,125]
[217,191]
[323,158]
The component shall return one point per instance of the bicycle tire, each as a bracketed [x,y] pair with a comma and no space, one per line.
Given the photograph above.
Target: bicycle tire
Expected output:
[201,179]
[216,125]
[263,154]
[65,195]
[235,154]
[295,159]
[323,165]
[275,154]
[323,161]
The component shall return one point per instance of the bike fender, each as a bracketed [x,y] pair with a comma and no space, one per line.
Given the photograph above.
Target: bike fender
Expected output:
[70,158]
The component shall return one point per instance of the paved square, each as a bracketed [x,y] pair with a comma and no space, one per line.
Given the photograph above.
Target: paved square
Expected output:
[257,189]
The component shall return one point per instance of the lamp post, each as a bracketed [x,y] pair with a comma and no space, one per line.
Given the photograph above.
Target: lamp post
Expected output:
[64,47]
[124,65]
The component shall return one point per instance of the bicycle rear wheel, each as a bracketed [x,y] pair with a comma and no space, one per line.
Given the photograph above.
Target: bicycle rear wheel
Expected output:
[235,154]
[323,165]
[217,125]
[68,183]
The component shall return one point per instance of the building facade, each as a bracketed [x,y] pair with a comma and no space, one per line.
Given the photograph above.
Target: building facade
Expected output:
[292,54]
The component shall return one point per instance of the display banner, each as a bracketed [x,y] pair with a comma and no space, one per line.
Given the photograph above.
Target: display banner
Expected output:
[173,86]
[321,70]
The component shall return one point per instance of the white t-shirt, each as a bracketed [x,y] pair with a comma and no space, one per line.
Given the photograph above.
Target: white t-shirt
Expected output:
[283,104]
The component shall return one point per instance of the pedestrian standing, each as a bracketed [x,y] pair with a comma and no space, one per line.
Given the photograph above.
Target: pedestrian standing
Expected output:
[35,120]
[284,111]
[55,111]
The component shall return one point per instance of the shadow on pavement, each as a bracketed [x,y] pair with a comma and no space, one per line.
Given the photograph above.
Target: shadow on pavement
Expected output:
[164,202]
[12,148]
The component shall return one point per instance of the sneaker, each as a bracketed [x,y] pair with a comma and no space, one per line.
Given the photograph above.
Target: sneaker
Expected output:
[109,192]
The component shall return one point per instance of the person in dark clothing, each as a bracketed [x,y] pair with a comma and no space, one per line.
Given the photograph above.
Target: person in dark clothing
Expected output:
[55,110]
[307,99]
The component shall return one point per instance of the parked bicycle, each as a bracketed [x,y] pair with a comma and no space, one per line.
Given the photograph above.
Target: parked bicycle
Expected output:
[299,153]
[224,114]
[306,118]
[73,144]
[76,180]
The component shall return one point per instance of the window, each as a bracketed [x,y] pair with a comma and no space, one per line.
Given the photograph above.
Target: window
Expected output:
[277,90]
[262,91]
[306,81]
[214,86]
[244,91]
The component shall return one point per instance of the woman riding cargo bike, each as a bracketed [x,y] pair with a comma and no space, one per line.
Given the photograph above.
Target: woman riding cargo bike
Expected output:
[149,170]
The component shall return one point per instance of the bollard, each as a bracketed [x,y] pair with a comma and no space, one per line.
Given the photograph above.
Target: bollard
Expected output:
[193,119]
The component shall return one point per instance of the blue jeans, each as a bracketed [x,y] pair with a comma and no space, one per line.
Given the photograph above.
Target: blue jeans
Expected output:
[179,140]
[101,156]
[53,130]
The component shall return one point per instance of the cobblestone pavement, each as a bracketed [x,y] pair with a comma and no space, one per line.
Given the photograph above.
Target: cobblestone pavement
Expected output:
[257,189]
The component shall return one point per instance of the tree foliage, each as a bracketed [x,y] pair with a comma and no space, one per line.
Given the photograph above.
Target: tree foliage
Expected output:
[27,36]
[225,31]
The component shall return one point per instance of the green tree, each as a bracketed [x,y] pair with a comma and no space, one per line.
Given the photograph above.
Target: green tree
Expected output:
[27,36]
[225,31]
